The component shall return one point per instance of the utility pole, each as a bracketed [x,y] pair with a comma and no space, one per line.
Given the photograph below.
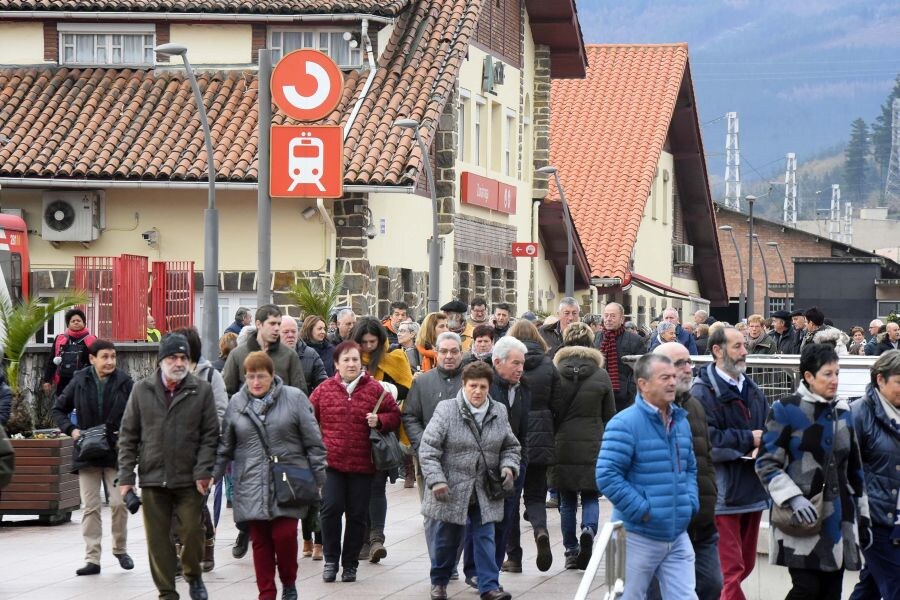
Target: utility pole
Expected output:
[732,164]
[263,200]
[848,223]
[750,200]
[892,187]
[790,191]
[834,214]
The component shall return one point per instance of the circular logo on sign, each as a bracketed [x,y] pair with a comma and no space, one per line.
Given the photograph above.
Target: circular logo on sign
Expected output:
[530,249]
[307,85]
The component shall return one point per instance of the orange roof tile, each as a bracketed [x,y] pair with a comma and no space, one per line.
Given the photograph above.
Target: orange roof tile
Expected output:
[381,7]
[142,124]
[606,135]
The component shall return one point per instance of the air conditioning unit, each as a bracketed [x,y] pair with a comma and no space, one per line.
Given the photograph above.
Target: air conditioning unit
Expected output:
[684,254]
[493,74]
[72,216]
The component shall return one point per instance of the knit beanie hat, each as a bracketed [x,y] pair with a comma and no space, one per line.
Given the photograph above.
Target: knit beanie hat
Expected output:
[173,343]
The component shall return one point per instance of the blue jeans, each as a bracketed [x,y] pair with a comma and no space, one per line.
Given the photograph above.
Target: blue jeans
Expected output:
[568,507]
[501,529]
[707,571]
[448,537]
[881,575]
[671,562]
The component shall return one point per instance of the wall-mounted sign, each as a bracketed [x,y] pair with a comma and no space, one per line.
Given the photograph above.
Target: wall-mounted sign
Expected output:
[524,250]
[487,193]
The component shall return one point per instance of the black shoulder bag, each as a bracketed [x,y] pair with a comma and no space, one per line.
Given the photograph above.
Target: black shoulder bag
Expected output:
[93,443]
[493,480]
[386,451]
[294,486]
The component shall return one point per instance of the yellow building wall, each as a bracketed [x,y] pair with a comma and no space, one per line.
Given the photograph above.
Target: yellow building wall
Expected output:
[297,244]
[407,229]
[21,43]
[653,249]
[214,44]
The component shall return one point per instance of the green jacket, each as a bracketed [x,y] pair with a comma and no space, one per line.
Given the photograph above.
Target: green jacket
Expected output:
[172,447]
[7,459]
[287,365]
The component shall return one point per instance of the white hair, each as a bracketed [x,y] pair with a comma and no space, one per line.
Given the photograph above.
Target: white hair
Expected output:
[507,344]
[568,301]
[448,335]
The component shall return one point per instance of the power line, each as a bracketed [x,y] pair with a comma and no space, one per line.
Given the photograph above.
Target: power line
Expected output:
[789,77]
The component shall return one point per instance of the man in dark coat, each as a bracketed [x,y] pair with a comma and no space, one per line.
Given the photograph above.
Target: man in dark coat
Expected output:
[736,412]
[615,344]
[702,530]
[890,341]
[98,395]
[782,332]
[568,313]
[798,322]
[242,318]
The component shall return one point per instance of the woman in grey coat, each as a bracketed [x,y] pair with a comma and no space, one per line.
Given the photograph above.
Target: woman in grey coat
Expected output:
[284,415]
[468,437]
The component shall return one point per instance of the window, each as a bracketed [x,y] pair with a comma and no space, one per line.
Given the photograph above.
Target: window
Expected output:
[665,199]
[342,46]
[885,308]
[777,304]
[106,44]
[462,123]
[480,109]
[509,145]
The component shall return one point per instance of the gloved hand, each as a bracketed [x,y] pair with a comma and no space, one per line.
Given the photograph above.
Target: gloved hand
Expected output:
[509,479]
[441,492]
[865,533]
[803,510]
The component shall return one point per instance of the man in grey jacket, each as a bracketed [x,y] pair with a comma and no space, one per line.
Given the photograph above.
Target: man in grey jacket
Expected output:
[170,432]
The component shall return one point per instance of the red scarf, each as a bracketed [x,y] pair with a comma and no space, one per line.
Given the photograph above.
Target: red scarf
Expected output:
[611,353]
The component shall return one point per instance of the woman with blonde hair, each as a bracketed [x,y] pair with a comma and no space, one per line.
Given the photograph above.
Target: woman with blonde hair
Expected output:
[423,357]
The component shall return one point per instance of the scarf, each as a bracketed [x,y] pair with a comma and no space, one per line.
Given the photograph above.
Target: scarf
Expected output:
[351,385]
[429,357]
[891,412]
[477,413]
[752,342]
[394,364]
[611,353]
[77,335]
[261,406]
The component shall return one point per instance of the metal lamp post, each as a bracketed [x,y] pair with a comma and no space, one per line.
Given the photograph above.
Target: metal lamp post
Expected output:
[434,252]
[210,216]
[737,251]
[765,275]
[750,291]
[570,268]
[787,295]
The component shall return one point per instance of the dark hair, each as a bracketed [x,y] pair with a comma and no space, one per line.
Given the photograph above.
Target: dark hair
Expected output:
[399,306]
[484,330]
[478,302]
[267,310]
[239,313]
[478,370]
[719,338]
[193,340]
[98,345]
[815,316]
[343,347]
[72,312]
[309,323]
[371,326]
[259,361]
[643,367]
[855,329]
[887,365]
[502,306]
[816,356]
[828,322]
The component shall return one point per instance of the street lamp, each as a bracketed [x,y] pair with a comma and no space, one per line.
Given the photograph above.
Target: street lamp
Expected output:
[750,291]
[741,307]
[434,252]
[570,268]
[765,275]
[787,294]
[210,215]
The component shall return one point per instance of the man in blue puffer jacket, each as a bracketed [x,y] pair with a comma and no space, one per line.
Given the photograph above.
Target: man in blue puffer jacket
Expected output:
[653,488]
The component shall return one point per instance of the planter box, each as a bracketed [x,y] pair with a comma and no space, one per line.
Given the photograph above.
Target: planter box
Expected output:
[42,482]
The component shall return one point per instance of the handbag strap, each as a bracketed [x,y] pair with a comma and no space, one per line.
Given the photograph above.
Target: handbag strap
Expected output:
[378,404]
[259,431]
[477,437]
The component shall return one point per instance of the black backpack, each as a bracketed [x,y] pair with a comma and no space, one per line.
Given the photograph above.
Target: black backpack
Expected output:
[70,354]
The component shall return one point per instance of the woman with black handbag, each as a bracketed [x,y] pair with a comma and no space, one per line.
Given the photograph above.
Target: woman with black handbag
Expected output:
[345,406]
[812,468]
[470,460]
[279,460]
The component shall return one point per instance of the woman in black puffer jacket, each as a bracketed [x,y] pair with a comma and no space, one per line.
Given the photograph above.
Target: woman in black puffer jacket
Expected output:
[543,381]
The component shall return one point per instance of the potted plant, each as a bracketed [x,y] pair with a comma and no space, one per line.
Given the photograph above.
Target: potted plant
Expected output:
[318,299]
[42,482]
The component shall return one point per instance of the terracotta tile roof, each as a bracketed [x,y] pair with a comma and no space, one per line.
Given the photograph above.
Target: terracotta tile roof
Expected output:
[142,125]
[606,135]
[379,7]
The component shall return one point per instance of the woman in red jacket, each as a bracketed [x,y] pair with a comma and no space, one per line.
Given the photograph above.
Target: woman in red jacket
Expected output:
[343,406]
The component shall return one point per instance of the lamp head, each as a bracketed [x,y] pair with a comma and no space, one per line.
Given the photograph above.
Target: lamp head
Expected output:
[726,227]
[171,49]
[751,199]
[407,123]
[773,244]
[548,170]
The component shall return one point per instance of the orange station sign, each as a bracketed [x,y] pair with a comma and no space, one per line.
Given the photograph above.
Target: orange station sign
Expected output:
[487,193]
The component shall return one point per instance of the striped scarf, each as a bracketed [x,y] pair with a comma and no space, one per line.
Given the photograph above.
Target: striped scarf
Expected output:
[611,353]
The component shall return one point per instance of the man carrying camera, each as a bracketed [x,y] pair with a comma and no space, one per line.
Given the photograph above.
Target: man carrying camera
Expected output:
[171,418]
[97,395]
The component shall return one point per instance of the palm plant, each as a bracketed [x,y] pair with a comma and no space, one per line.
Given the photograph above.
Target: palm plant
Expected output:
[314,298]
[18,323]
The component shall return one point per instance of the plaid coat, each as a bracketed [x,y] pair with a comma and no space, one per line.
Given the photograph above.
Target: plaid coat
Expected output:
[800,436]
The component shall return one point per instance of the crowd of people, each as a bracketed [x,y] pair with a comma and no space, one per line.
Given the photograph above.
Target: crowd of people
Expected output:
[493,413]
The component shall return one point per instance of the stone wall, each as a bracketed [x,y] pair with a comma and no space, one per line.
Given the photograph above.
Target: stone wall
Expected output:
[136,359]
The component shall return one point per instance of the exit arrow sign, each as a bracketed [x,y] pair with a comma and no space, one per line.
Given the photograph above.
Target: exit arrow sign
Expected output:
[524,250]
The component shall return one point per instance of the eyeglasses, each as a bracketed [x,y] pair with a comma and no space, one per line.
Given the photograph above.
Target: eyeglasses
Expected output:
[679,364]
[451,351]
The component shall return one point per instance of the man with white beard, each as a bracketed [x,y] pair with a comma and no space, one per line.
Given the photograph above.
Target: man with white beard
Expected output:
[171,418]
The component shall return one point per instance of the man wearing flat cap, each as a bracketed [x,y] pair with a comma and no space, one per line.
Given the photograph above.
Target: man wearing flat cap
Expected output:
[782,332]
[171,418]
[799,330]
[456,321]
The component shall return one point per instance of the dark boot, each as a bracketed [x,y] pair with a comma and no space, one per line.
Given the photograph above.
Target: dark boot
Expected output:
[209,556]
[377,550]
[544,555]
[329,573]
[88,569]
[289,592]
[586,547]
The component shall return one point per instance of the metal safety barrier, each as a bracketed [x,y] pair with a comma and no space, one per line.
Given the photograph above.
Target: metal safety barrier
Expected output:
[608,545]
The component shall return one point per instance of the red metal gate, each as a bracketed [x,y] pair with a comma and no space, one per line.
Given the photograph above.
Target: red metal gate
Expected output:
[172,294]
[117,295]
